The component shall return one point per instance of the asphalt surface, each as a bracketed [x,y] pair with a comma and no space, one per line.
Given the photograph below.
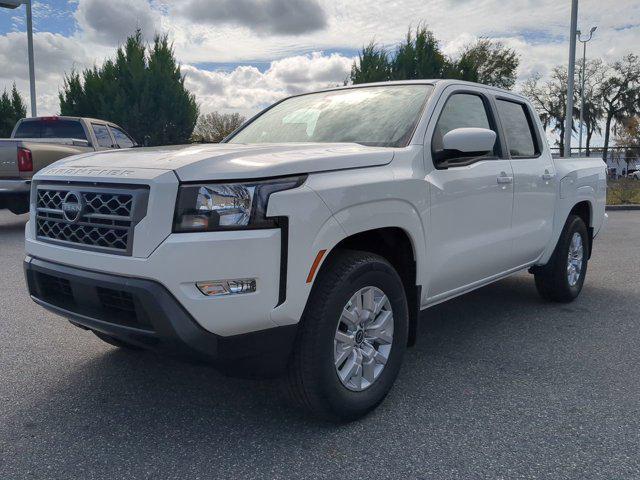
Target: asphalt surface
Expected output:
[500,385]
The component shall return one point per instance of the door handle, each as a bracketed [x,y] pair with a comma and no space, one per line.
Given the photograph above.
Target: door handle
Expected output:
[504,179]
[548,176]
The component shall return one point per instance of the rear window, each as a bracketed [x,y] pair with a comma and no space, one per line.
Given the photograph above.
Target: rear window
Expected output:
[518,129]
[51,128]
[122,139]
[102,135]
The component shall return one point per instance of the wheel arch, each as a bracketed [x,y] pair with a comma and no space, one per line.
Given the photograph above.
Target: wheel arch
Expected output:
[584,210]
[398,247]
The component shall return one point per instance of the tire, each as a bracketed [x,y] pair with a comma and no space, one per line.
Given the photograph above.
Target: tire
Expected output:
[312,377]
[553,281]
[115,342]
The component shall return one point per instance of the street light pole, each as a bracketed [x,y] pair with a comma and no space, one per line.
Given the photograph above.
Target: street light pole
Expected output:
[584,70]
[32,73]
[568,121]
[32,76]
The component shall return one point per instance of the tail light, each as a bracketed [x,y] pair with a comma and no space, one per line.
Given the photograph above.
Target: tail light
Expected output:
[25,160]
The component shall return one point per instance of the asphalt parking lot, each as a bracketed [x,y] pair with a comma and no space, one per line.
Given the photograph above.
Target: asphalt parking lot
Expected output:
[500,385]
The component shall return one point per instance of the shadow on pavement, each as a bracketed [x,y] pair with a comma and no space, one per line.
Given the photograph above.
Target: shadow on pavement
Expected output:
[10,223]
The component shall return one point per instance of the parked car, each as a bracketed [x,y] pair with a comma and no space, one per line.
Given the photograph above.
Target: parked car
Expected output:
[38,142]
[306,245]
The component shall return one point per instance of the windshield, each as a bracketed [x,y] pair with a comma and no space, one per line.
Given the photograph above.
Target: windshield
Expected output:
[382,116]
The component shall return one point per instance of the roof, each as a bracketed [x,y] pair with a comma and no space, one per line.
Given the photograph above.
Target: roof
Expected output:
[64,117]
[427,81]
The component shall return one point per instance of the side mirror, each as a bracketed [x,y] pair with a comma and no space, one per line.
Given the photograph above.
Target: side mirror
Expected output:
[80,143]
[465,143]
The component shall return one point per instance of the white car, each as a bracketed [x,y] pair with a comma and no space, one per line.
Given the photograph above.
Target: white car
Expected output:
[307,244]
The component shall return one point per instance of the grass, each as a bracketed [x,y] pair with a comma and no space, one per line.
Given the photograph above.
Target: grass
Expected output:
[623,191]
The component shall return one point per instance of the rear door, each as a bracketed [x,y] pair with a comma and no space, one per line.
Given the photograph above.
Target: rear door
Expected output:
[534,180]
[469,234]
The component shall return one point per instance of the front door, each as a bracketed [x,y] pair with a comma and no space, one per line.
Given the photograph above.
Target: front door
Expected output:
[469,234]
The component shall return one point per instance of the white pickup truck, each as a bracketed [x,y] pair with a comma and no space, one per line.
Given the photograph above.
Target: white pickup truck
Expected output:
[306,245]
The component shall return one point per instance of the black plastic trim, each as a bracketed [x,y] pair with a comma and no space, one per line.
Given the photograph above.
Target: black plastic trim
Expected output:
[173,330]
[283,223]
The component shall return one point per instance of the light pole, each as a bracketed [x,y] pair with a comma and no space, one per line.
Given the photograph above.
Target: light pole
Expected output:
[584,71]
[32,75]
[568,121]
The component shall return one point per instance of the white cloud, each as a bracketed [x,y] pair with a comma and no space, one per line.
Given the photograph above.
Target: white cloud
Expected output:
[54,54]
[246,89]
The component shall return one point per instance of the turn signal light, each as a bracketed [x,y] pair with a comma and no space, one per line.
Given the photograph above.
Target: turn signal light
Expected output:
[25,160]
[227,287]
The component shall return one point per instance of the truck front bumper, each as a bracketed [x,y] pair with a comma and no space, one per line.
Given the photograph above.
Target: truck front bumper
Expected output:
[145,313]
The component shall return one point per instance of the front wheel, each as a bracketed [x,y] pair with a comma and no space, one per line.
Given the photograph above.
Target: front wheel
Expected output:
[351,339]
[561,280]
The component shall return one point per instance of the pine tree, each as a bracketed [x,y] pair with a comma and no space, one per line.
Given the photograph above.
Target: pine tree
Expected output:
[142,90]
[12,109]
[372,65]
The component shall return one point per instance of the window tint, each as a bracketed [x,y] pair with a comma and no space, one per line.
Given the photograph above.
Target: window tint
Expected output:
[28,130]
[51,128]
[122,139]
[517,127]
[102,135]
[462,110]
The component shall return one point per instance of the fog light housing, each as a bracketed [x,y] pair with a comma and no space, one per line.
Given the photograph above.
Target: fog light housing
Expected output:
[217,288]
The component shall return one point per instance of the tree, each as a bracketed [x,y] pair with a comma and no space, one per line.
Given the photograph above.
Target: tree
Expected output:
[593,112]
[142,90]
[12,109]
[419,56]
[488,62]
[550,99]
[620,94]
[372,65]
[213,127]
[628,137]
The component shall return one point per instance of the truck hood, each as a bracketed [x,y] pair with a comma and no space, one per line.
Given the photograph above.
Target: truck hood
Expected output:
[227,161]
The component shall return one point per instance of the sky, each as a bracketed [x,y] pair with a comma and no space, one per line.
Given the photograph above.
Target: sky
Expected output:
[242,55]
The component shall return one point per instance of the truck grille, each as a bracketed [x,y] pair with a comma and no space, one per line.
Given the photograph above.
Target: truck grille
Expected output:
[91,217]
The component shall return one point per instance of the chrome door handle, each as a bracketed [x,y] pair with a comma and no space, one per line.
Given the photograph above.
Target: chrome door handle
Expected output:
[504,179]
[548,176]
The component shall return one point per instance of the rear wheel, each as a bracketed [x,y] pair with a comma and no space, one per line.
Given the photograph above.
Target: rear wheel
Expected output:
[561,280]
[351,339]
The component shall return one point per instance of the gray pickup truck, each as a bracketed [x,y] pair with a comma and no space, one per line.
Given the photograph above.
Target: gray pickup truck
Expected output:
[38,142]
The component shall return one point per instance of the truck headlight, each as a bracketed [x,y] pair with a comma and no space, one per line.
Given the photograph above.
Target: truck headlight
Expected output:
[227,206]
